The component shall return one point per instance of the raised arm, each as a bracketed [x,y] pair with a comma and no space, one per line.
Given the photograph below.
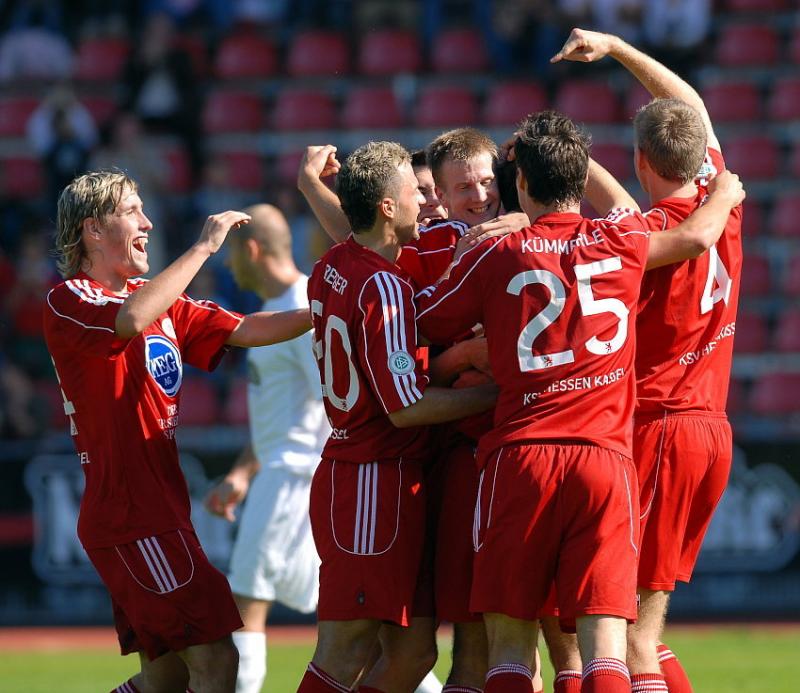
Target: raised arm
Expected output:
[318,163]
[591,46]
[603,191]
[702,229]
[144,305]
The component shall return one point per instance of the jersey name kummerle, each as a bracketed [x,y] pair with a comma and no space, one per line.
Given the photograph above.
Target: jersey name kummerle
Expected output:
[687,315]
[426,259]
[365,343]
[558,303]
[122,397]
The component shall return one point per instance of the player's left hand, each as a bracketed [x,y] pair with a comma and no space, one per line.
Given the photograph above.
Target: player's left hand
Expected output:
[223,498]
[584,46]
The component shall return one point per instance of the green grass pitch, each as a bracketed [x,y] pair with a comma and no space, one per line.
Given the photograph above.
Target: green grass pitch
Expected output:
[719,660]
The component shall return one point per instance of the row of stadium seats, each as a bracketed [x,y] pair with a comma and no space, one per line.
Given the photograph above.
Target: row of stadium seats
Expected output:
[771,395]
[760,279]
[753,334]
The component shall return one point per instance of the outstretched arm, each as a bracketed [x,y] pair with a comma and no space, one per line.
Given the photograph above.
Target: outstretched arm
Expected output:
[318,163]
[263,328]
[591,46]
[439,405]
[702,229]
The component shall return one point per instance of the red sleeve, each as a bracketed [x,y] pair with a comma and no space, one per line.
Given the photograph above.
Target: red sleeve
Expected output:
[455,305]
[202,327]
[83,318]
[389,335]
[634,230]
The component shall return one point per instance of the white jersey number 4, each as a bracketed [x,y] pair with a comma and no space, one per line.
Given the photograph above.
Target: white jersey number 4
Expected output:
[718,282]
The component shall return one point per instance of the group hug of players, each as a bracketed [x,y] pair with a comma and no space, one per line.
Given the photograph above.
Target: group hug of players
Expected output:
[576,493]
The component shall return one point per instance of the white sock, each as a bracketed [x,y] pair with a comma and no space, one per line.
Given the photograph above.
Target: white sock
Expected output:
[252,648]
[430,684]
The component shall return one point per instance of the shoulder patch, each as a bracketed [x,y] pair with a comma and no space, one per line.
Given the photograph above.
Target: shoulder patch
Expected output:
[401,363]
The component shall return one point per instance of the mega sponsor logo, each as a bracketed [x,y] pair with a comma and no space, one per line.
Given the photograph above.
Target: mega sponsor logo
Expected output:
[164,363]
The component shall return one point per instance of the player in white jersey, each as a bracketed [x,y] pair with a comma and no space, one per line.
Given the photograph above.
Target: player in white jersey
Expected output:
[274,558]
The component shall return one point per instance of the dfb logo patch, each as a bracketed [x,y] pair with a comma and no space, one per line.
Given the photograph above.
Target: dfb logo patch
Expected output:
[401,363]
[163,361]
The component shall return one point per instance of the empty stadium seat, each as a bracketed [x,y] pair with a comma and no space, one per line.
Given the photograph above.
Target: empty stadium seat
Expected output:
[590,102]
[101,59]
[21,177]
[756,276]
[751,333]
[755,5]
[303,109]
[741,45]
[14,114]
[102,108]
[791,277]
[236,403]
[753,157]
[509,102]
[636,97]
[180,173]
[459,50]
[245,170]
[231,111]
[786,215]
[787,333]
[371,107]
[752,219]
[199,405]
[389,52]
[775,394]
[445,107]
[245,56]
[318,53]
[784,102]
[732,101]
[617,158]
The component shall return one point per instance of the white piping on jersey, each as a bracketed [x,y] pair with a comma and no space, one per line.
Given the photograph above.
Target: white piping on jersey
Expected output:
[658,467]
[159,566]
[476,519]
[204,305]
[77,322]
[459,226]
[366,522]
[630,513]
[448,249]
[635,233]
[663,216]
[90,294]
[429,290]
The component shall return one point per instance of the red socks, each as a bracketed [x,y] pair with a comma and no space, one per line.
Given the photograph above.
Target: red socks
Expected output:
[648,683]
[126,687]
[606,675]
[317,681]
[509,678]
[567,681]
[674,674]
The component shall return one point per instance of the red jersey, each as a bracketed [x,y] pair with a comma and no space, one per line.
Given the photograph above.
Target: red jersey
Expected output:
[122,397]
[687,316]
[365,341]
[427,258]
[558,303]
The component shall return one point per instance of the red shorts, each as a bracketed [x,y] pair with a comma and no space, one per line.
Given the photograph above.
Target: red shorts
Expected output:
[454,549]
[683,462]
[165,593]
[368,522]
[563,514]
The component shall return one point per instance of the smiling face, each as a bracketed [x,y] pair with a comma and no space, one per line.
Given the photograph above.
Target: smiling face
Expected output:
[122,238]
[431,210]
[468,189]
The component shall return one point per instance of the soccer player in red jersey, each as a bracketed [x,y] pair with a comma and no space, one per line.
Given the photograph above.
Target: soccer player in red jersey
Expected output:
[118,344]
[686,323]
[367,498]
[557,500]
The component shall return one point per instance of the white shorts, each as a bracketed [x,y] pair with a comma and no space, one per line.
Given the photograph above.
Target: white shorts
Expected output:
[274,557]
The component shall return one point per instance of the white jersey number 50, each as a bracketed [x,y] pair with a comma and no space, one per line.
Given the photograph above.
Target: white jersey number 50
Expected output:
[322,351]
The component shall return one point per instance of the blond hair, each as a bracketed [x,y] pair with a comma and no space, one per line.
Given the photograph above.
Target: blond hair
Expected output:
[461,144]
[93,195]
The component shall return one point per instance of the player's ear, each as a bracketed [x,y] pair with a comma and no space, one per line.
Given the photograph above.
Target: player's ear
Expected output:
[91,228]
[251,248]
[388,207]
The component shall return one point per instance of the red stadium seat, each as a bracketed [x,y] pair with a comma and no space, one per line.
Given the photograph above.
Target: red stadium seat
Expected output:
[751,333]
[786,215]
[617,158]
[794,161]
[101,59]
[755,5]
[245,170]
[509,102]
[318,53]
[794,46]
[287,165]
[775,394]
[636,97]
[753,157]
[756,276]
[180,172]
[732,101]
[371,107]
[21,177]
[303,109]
[736,397]
[236,403]
[791,277]
[246,56]
[199,405]
[389,52]
[102,108]
[14,114]
[590,102]
[741,45]
[784,102]
[752,219]
[231,111]
[459,50]
[787,334]
[445,107]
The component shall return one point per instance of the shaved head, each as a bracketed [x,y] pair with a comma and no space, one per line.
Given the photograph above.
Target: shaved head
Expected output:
[269,228]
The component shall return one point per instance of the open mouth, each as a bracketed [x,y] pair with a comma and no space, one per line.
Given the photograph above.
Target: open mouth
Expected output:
[140,244]
[479,210]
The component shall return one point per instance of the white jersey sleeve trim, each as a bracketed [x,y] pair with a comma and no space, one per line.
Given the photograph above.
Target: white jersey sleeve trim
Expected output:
[77,322]
[90,294]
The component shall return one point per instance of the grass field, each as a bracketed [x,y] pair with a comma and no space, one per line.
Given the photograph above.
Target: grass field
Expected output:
[745,659]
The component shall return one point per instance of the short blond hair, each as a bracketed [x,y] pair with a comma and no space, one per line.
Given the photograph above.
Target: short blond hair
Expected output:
[461,144]
[673,137]
[93,195]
